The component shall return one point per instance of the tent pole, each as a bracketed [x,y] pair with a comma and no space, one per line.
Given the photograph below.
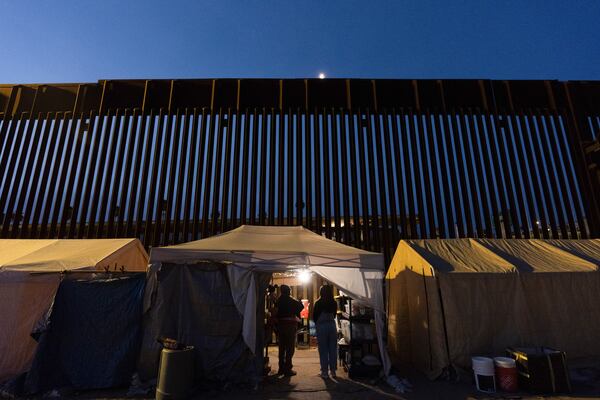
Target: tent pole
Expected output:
[444,321]
[428,321]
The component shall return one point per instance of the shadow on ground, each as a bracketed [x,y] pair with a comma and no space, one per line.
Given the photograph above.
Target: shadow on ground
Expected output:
[307,384]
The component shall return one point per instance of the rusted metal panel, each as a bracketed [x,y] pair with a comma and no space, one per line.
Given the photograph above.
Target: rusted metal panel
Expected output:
[175,191]
[193,158]
[228,212]
[43,181]
[365,162]
[201,137]
[122,168]
[158,180]
[70,140]
[128,180]
[216,184]
[28,182]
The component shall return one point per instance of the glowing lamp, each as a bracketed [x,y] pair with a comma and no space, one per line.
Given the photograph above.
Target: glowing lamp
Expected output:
[304,276]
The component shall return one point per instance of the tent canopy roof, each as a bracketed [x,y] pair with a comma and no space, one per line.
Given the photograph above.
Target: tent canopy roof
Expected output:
[269,249]
[57,255]
[274,246]
[504,255]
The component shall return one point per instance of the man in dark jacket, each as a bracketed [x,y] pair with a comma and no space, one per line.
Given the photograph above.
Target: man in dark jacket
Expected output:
[288,316]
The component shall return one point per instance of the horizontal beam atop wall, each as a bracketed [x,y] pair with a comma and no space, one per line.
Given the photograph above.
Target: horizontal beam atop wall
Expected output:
[303,94]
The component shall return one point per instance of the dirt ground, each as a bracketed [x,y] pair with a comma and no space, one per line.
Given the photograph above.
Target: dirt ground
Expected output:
[308,385]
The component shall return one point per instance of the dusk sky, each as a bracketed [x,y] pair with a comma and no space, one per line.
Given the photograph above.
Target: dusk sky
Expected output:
[75,41]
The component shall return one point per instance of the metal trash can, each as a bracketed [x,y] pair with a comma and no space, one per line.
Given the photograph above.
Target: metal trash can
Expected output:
[175,374]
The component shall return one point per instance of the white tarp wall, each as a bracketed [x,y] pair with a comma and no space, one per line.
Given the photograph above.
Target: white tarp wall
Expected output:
[24,300]
[30,276]
[276,249]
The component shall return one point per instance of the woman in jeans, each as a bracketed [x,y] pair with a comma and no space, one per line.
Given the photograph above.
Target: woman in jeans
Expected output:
[324,318]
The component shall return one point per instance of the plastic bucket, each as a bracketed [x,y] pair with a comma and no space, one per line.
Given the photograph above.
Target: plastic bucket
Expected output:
[506,374]
[483,368]
[175,374]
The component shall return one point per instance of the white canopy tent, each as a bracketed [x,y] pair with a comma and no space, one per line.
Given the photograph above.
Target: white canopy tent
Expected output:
[358,273]
[30,273]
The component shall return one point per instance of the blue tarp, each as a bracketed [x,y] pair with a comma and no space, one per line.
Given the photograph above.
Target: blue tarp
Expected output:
[93,335]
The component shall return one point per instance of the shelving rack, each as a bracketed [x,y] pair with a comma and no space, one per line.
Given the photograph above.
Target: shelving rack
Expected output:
[355,347]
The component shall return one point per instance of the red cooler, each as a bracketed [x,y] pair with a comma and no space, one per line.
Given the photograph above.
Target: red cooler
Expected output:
[506,374]
[304,312]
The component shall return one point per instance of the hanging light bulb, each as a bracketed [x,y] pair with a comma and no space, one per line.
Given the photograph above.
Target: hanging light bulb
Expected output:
[304,276]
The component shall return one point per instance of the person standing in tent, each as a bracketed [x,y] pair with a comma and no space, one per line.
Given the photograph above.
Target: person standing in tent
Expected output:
[270,326]
[324,318]
[288,316]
